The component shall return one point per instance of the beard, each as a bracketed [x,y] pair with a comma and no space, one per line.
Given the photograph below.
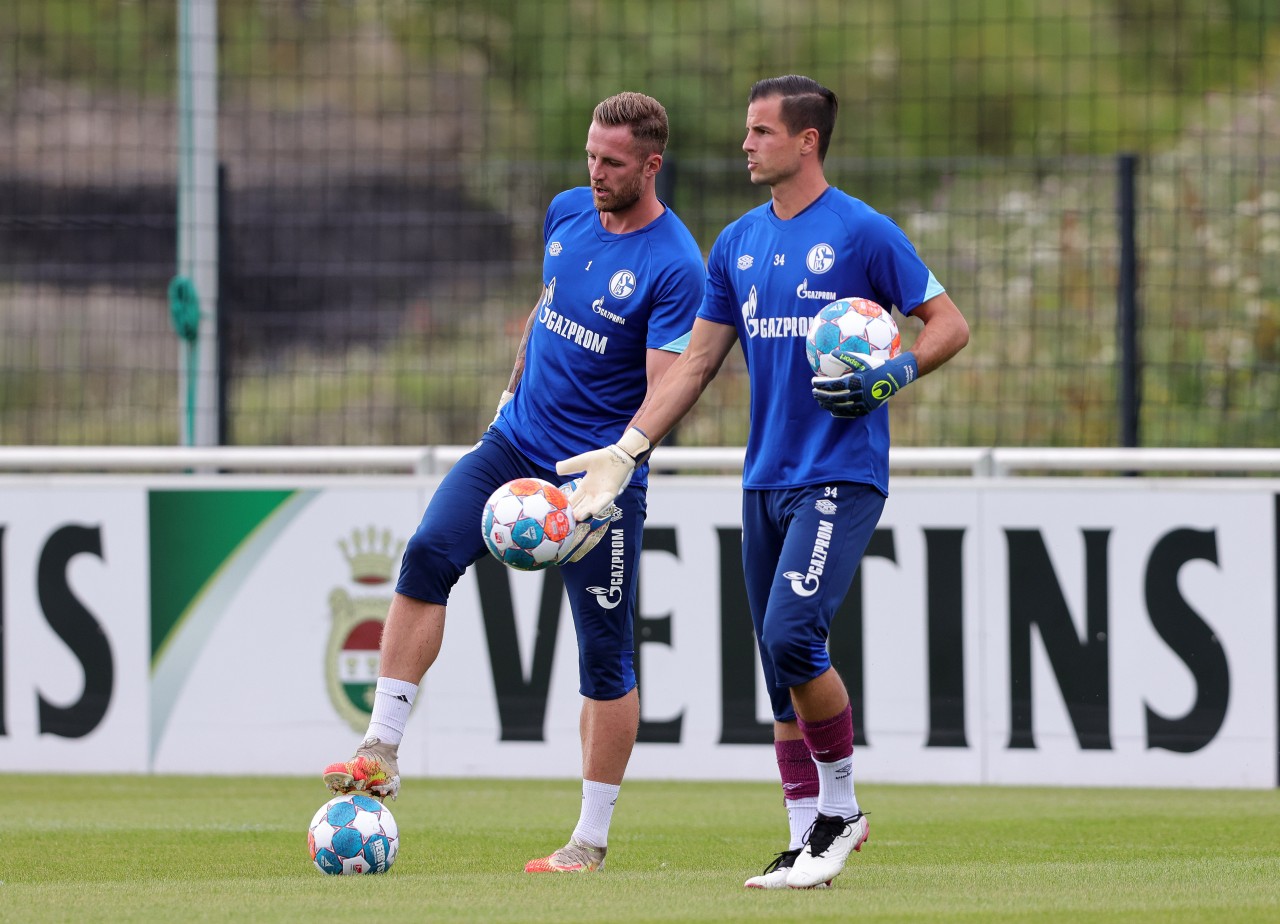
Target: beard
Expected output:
[620,198]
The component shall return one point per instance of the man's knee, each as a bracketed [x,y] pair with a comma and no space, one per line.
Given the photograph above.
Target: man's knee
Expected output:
[796,658]
[606,677]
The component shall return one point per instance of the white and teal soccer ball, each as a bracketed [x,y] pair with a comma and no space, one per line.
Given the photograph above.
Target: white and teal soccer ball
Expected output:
[353,834]
[851,328]
[527,523]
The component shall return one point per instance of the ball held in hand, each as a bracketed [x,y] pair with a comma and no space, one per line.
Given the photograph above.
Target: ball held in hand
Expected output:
[527,523]
[849,332]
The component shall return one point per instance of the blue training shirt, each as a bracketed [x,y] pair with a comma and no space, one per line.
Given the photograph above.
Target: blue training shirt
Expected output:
[768,278]
[607,299]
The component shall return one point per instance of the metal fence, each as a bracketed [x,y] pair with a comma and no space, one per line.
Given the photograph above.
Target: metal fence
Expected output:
[383,166]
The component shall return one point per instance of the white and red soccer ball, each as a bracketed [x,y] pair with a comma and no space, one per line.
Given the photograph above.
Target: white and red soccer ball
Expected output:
[353,834]
[849,329]
[527,523]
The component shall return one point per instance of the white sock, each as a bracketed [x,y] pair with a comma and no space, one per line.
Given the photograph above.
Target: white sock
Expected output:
[800,815]
[391,705]
[598,800]
[835,788]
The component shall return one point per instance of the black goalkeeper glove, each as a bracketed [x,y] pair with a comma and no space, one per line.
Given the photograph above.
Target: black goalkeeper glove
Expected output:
[861,391]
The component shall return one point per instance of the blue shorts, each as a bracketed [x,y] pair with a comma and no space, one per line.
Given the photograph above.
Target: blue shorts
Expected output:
[800,550]
[601,586]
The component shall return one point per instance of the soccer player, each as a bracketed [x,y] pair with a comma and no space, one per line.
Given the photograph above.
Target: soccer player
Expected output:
[817,460]
[622,279]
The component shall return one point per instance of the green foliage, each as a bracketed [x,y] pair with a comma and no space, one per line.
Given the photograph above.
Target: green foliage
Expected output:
[987,128]
[976,77]
[107,44]
[156,848]
[925,79]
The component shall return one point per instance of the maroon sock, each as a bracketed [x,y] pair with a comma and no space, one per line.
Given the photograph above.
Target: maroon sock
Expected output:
[831,739]
[799,775]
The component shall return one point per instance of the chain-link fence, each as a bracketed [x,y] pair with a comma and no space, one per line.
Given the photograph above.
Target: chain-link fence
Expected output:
[384,166]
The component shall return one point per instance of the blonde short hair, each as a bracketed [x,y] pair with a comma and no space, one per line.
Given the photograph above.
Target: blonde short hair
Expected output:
[644,115]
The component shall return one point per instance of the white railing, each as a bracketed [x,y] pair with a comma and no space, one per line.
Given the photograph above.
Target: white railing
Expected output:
[1218,461]
[431,460]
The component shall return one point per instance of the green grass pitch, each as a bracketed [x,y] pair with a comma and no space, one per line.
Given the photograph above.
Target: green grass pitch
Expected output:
[122,848]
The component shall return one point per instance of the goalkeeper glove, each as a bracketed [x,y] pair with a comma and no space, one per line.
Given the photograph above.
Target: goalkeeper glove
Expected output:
[861,391]
[588,533]
[607,472]
[502,402]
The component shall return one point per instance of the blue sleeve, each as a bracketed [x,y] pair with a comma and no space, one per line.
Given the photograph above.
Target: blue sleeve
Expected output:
[676,300]
[716,297]
[894,267]
[561,205]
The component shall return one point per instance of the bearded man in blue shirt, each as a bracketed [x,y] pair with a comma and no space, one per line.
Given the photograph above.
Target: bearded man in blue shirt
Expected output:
[622,280]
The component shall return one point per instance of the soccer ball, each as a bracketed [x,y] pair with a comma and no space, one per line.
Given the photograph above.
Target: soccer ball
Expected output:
[353,834]
[527,523]
[856,327]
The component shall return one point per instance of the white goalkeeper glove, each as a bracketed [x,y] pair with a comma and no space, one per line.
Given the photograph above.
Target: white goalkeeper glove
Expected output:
[588,533]
[607,472]
[502,402]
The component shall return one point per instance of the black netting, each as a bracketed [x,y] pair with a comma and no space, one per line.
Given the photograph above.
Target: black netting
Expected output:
[385,165]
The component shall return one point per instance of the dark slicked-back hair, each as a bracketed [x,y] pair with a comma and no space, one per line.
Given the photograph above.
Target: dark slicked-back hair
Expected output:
[805,104]
[644,115]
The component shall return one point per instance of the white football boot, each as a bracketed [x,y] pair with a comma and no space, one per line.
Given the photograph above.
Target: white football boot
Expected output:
[831,840]
[775,874]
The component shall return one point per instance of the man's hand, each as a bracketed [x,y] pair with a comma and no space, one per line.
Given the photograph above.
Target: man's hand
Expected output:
[607,472]
[861,391]
[588,533]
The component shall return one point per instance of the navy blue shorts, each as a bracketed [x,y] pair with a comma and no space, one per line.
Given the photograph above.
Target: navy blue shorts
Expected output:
[800,550]
[601,586]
